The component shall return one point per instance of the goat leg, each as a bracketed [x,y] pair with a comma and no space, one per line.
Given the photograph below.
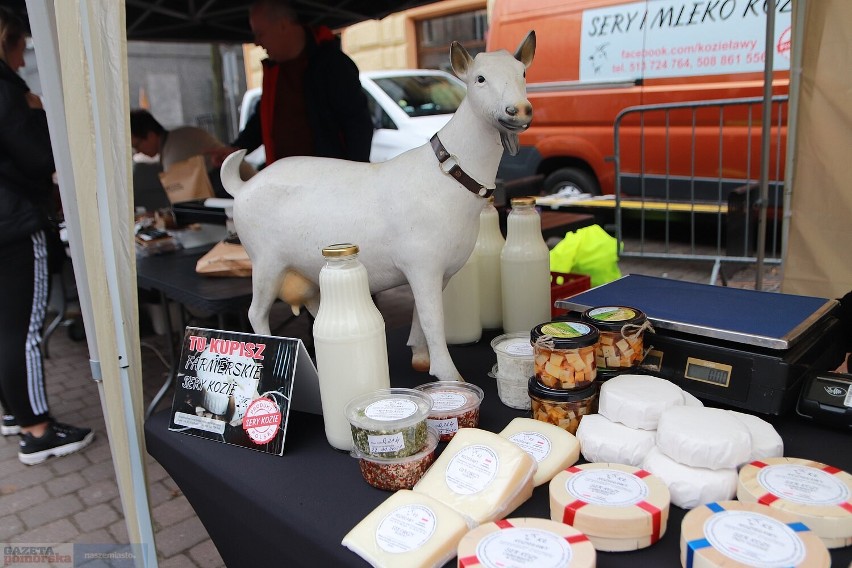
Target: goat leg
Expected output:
[426,288]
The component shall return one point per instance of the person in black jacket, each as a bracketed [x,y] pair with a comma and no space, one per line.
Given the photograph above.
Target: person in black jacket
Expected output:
[312,103]
[26,201]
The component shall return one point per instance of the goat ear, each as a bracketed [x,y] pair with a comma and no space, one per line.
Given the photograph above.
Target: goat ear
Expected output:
[460,59]
[526,50]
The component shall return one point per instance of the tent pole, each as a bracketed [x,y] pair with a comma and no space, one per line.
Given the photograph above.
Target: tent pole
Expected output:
[799,11]
[90,145]
[766,138]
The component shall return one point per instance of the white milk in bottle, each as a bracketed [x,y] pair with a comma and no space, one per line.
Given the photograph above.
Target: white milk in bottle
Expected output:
[461,304]
[525,269]
[349,337]
[489,245]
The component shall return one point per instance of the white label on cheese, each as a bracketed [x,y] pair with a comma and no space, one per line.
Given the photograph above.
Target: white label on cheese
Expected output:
[805,485]
[607,487]
[533,443]
[754,539]
[386,443]
[406,528]
[472,470]
[522,547]
[522,348]
[390,409]
[446,400]
[444,426]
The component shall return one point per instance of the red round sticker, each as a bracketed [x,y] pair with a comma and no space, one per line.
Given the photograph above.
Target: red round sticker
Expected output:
[784,42]
[262,420]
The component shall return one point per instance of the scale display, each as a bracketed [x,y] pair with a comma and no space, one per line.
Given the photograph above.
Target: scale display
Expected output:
[717,374]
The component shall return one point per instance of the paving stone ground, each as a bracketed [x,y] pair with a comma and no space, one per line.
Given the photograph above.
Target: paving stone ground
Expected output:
[75,499]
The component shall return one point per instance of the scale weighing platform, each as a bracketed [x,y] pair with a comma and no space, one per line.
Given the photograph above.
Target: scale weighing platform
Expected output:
[743,348]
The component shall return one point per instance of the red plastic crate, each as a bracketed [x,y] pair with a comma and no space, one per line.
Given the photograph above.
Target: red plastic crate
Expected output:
[564,286]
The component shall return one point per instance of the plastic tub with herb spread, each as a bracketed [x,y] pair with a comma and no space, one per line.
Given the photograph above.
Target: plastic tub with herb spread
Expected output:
[389,423]
[454,405]
[622,330]
[564,353]
[514,355]
[563,408]
[392,474]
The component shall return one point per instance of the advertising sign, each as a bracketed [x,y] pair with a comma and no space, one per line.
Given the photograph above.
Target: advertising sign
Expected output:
[680,38]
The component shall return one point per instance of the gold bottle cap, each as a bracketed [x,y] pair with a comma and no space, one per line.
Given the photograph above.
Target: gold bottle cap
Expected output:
[523,201]
[338,250]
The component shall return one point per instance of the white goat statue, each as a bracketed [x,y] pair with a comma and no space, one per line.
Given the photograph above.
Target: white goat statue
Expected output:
[415,217]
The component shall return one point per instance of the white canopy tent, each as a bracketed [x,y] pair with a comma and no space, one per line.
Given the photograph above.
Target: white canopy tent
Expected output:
[81,53]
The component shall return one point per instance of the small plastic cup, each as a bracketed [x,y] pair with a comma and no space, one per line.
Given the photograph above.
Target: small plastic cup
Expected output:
[514,355]
[392,474]
[511,390]
[389,423]
[454,405]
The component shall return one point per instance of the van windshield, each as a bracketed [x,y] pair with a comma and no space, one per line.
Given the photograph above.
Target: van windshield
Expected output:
[423,95]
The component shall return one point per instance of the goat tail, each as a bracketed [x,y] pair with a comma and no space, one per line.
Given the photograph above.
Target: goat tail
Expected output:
[230,172]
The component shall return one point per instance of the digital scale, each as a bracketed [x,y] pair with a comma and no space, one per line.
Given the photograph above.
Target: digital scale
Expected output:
[743,348]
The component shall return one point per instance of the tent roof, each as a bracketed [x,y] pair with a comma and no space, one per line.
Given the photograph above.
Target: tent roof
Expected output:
[227,20]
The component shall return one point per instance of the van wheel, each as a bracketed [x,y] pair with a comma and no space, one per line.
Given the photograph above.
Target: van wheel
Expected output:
[571,181]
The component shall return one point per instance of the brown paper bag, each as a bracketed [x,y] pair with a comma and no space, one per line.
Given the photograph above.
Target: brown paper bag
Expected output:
[187,180]
[225,259]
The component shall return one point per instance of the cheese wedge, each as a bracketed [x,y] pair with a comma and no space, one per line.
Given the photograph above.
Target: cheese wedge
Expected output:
[732,534]
[481,475]
[526,543]
[817,494]
[553,448]
[409,529]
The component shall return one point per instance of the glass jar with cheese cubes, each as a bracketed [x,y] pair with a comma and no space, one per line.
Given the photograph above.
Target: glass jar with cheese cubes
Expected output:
[561,407]
[622,332]
[564,353]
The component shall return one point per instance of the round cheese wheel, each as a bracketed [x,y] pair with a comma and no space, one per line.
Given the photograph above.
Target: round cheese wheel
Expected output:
[731,534]
[703,437]
[766,442]
[818,494]
[691,486]
[610,500]
[691,400]
[602,440]
[638,400]
[605,544]
[530,542]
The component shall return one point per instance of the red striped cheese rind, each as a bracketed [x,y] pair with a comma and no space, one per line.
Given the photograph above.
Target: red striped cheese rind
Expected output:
[697,552]
[646,501]
[477,547]
[829,514]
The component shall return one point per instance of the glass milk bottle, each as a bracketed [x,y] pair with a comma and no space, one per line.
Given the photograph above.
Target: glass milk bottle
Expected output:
[525,269]
[349,337]
[461,304]
[489,245]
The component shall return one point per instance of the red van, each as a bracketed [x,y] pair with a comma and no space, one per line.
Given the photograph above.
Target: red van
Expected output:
[595,58]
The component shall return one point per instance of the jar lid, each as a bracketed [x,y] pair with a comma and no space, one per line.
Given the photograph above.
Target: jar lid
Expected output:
[523,201]
[566,334]
[384,409]
[613,318]
[451,398]
[340,249]
[542,392]
[513,345]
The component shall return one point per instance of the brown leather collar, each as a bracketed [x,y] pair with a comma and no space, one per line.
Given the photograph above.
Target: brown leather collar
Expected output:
[456,172]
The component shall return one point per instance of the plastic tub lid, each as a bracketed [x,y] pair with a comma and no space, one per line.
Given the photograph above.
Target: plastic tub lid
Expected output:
[388,408]
[540,391]
[614,318]
[515,345]
[451,398]
[566,334]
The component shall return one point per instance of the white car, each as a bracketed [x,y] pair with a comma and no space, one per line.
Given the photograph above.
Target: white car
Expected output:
[408,106]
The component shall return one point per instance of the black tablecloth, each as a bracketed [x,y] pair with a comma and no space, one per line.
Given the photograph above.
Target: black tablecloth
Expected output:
[294,510]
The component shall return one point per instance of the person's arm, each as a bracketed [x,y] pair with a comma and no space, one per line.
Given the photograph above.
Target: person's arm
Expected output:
[351,110]
[25,136]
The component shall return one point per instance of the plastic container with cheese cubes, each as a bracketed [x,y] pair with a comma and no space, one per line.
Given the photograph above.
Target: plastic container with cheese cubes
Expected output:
[564,353]
[563,408]
[622,331]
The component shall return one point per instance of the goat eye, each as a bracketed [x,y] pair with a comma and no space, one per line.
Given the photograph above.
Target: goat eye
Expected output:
[480,79]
